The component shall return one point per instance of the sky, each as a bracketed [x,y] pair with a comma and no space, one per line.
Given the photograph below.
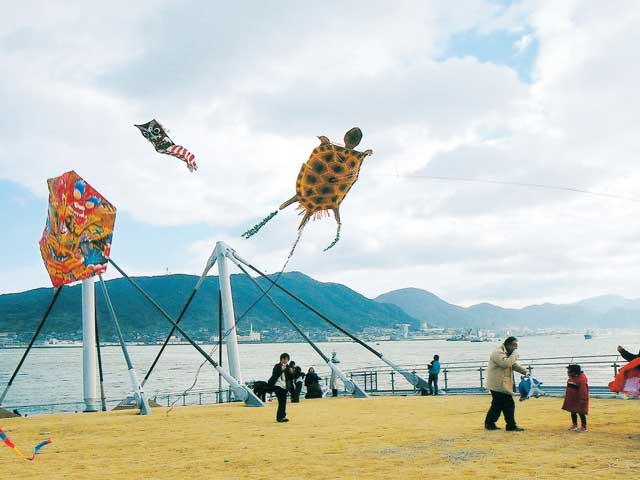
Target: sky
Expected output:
[540,92]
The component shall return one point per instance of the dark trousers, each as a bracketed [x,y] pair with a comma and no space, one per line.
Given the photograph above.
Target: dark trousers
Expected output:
[295,393]
[583,418]
[281,393]
[433,384]
[501,403]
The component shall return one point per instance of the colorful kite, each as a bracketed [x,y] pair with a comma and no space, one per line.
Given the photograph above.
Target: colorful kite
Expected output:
[157,135]
[324,180]
[76,240]
[11,445]
[529,387]
[627,381]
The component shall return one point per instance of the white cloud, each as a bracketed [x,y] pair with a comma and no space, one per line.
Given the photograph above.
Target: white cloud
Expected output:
[523,43]
[248,87]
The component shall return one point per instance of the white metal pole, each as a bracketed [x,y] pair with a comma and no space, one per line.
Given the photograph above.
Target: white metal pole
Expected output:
[228,313]
[89,353]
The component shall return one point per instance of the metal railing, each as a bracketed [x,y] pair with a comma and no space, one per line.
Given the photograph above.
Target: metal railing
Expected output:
[470,376]
[466,377]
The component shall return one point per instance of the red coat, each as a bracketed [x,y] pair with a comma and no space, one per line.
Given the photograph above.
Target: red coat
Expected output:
[576,398]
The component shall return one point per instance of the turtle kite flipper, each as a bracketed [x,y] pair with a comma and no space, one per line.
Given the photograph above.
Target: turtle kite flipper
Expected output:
[293,199]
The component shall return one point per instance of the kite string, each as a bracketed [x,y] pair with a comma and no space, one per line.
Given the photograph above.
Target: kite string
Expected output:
[238,319]
[507,182]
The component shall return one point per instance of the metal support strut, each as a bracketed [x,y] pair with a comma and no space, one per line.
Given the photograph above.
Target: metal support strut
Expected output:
[411,377]
[241,392]
[350,385]
[33,339]
[138,392]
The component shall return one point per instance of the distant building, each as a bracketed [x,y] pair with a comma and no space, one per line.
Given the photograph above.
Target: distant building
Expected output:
[253,337]
[404,329]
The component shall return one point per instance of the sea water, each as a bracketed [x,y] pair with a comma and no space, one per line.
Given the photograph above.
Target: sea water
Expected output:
[54,375]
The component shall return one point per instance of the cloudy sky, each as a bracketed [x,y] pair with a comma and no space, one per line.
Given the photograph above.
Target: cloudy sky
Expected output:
[538,92]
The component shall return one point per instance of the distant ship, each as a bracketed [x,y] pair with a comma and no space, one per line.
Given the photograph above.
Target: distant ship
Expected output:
[588,335]
[457,338]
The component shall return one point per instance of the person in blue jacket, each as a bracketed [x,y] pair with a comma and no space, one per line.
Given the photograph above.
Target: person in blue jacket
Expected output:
[434,371]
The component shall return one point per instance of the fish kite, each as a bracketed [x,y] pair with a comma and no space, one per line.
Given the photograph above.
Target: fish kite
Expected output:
[11,445]
[323,182]
[529,387]
[76,241]
[157,135]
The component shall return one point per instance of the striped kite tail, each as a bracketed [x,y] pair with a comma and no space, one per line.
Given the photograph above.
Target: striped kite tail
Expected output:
[16,450]
[183,154]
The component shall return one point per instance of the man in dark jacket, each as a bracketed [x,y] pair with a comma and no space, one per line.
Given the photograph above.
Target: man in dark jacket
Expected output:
[280,379]
[628,356]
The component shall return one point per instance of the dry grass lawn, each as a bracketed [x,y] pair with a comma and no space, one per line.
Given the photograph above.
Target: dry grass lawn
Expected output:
[401,438]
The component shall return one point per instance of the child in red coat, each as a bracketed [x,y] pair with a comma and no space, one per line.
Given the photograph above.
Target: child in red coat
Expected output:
[576,398]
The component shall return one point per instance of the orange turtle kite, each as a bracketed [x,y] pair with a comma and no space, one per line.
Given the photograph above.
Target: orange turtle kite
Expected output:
[324,180]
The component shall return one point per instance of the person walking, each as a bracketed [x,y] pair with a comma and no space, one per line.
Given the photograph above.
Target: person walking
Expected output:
[576,398]
[279,381]
[502,362]
[434,371]
[628,356]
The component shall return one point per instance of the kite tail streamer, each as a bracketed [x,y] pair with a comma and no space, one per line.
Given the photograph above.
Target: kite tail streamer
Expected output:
[335,240]
[16,450]
[256,228]
[293,249]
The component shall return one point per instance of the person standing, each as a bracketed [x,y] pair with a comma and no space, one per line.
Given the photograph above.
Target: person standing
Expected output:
[280,379]
[502,362]
[434,371]
[333,384]
[576,398]
[628,356]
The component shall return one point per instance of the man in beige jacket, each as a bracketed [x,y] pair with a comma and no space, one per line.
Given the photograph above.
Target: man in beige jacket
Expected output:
[500,382]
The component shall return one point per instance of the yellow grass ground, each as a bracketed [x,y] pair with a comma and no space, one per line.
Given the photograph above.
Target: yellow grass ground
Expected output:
[400,438]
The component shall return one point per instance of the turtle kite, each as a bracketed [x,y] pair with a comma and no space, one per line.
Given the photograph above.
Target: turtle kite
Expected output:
[323,182]
[159,138]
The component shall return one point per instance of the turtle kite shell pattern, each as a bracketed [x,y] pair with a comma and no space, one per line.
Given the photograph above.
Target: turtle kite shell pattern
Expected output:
[325,179]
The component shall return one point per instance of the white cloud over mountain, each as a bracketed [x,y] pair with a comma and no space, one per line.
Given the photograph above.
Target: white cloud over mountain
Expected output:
[248,87]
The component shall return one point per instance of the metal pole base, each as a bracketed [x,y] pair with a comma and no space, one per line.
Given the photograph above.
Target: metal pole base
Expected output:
[244,394]
[358,392]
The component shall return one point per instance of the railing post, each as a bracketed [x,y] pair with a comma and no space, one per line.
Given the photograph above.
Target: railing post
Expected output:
[530,368]
[200,398]
[446,379]
[615,368]
[393,383]
[481,378]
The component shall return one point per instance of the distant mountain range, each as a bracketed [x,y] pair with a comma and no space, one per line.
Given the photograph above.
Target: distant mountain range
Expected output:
[607,311]
[20,312]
